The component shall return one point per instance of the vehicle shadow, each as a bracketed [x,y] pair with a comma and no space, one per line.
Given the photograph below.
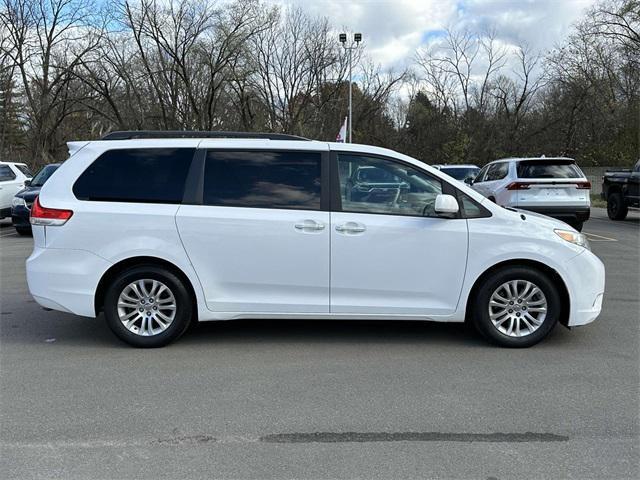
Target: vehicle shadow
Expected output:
[32,326]
[331,332]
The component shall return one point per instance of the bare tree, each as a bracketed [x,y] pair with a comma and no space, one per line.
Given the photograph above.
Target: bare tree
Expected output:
[46,41]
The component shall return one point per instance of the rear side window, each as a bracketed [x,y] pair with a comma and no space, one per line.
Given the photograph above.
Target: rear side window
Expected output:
[497,171]
[153,175]
[551,169]
[289,180]
[25,170]
[6,173]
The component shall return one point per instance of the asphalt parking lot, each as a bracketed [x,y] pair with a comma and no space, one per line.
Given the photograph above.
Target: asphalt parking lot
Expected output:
[311,399]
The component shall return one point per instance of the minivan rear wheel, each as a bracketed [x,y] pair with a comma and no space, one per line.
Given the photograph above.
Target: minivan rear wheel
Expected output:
[147,306]
[516,307]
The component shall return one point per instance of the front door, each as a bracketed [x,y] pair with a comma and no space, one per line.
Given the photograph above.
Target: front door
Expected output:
[259,239]
[390,253]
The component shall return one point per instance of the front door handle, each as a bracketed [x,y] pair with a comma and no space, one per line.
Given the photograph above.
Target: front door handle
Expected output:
[309,226]
[350,227]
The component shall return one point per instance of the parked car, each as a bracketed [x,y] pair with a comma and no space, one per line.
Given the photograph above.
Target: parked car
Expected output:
[22,201]
[621,190]
[551,186]
[12,178]
[464,173]
[159,232]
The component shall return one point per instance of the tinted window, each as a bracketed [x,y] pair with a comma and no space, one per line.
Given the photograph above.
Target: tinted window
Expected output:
[154,175]
[43,175]
[375,185]
[263,179]
[551,169]
[25,171]
[6,173]
[470,207]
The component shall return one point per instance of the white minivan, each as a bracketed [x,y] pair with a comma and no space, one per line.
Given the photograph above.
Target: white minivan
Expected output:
[160,229]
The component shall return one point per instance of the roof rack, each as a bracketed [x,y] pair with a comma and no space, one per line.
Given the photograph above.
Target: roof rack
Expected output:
[133,134]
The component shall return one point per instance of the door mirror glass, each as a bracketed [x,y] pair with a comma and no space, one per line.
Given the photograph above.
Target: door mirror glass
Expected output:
[27,182]
[446,205]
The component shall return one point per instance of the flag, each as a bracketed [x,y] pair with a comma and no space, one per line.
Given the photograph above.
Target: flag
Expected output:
[342,134]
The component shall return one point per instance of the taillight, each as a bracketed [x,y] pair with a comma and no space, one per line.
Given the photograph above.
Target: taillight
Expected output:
[584,185]
[48,216]
[518,186]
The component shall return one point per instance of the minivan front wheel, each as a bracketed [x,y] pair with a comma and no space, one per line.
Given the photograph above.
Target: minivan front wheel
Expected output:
[516,307]
[147,306]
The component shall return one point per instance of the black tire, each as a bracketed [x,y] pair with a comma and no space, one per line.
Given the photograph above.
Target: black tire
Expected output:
[24,231]
[183,304]
[492,199]
[616,208]
[480,306]
[577,224]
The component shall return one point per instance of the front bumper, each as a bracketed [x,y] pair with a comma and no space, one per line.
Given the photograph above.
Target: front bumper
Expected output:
[585,283]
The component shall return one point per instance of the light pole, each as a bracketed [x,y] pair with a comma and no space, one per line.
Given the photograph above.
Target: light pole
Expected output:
[357,38]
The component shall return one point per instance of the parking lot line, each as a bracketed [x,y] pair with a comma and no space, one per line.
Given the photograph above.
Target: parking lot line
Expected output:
[599,238]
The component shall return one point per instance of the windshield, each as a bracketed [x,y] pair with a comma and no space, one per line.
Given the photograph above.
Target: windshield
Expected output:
[550,169]
[43,175]
[461,173]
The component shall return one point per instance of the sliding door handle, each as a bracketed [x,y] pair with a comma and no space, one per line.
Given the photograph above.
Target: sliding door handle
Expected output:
[350,227]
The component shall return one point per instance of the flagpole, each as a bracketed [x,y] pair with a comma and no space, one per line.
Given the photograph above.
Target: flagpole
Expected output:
[357,38]
[350,84]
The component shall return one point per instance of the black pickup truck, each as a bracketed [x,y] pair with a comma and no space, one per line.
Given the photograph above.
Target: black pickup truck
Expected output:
[621,190]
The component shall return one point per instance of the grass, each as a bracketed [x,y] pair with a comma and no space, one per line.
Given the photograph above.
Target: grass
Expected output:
[597,201]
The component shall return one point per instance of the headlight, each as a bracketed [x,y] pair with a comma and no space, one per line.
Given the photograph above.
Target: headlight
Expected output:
[574,237]
[18,202]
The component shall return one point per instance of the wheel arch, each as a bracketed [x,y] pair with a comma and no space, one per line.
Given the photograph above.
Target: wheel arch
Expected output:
[552,273]
[130,262]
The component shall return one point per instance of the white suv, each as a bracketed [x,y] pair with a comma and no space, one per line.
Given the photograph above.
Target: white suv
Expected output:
[551,186]
[12,178]
[159,232]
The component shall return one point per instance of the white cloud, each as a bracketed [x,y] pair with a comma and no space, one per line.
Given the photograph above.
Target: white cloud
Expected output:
[393,30]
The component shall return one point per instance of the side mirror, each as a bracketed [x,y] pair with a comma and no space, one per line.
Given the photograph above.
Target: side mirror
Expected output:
[446,205]
[469,181]
[27,182]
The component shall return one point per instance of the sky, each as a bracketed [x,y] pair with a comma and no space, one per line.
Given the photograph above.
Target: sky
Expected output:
[394,29]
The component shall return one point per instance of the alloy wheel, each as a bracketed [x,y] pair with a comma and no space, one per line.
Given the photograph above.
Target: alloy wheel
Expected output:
[517,308]
[146,307]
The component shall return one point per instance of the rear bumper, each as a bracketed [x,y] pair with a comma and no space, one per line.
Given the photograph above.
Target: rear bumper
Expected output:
[20,216]
[65,280]
[580,214]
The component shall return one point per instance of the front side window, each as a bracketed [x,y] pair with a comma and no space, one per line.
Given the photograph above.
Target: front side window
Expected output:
[6,174]
[260,179]
[482,174]
[376,185]
[497,171]
[150,175]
